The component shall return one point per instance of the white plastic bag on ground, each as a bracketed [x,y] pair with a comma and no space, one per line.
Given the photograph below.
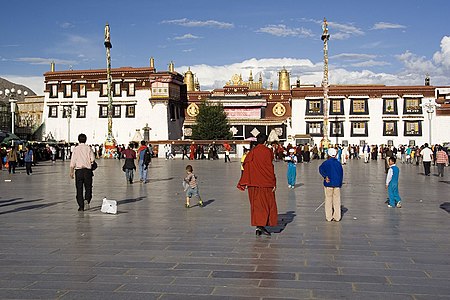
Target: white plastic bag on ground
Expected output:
[109,206]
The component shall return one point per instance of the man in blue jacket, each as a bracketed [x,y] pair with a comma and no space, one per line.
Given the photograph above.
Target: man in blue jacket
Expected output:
[332,173]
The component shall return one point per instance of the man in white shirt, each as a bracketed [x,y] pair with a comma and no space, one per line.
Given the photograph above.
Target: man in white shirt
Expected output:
[427,157]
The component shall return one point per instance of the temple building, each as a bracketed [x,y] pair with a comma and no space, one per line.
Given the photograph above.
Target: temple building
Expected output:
[251,109]
[76,101]
[358,114]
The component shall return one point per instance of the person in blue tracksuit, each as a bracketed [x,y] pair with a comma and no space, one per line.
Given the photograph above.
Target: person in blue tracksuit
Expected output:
[392,184]
[291,168]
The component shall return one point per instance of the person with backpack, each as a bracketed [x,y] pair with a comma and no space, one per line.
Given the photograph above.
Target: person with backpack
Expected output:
[145,157]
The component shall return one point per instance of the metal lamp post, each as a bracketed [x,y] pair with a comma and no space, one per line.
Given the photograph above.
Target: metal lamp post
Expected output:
[68,113]
[13,95]
[430,107]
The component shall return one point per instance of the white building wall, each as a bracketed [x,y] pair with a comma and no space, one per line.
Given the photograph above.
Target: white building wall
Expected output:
[96,128]
[440,124]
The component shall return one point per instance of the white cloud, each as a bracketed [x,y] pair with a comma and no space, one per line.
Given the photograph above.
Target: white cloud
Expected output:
[66,25]
[195,23]
[186,37]
[415,64]
[353,56]
[442,57]
[283,30]
[384,25]
[35,83]
[370,63]
[340,31]
[45,61]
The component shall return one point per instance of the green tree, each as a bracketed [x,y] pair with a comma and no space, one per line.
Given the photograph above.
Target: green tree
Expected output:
[211,123]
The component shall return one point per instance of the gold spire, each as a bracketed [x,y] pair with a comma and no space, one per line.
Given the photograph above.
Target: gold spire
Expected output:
[172,67]
[152,62]
[283,80]
[250,78]
[189,80]
[52,66]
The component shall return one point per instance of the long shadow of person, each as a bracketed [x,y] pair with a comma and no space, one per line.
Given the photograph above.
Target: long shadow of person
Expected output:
[205,203]
[343,210]
[445,206]
[283,220]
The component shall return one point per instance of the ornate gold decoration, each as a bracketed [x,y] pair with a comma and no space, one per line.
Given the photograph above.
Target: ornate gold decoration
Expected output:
[192,110]
[235,79]
[279,110]
[199,98]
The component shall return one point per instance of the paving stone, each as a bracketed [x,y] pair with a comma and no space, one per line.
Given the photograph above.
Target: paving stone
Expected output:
[156,249]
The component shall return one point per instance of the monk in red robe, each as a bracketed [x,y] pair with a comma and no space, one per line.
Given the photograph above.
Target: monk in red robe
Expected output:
[259,179]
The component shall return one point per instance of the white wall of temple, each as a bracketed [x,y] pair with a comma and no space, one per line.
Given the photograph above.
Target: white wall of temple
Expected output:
[96,128]
[375,121]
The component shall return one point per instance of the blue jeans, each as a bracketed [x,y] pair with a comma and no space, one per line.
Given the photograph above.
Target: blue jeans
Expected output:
[143,169]
[291,174]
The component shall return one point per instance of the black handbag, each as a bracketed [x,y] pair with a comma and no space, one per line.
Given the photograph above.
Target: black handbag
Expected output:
[94,166]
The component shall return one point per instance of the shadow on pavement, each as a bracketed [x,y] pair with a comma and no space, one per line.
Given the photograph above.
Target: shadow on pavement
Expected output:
[445,206]
[283,220]
[18,202]
[37,206]
[126,201]
[10,200]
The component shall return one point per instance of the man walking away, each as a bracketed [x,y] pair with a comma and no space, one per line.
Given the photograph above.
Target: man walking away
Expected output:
[80,169]
[441,160]
[333,174]
[427,157]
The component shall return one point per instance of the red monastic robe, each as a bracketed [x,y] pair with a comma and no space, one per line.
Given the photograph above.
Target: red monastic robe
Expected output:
[259,178]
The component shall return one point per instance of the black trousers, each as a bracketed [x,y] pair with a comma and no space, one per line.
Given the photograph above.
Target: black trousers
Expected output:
[12,167]
[28,167]
[426,166]
[83,179]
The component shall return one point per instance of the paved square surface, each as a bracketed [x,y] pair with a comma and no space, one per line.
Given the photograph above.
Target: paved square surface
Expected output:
[157,249]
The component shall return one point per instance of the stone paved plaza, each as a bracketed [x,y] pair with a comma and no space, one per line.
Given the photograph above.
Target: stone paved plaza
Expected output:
[154,248]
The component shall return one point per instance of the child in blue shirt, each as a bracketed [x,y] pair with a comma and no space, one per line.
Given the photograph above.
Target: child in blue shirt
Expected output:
[392,184]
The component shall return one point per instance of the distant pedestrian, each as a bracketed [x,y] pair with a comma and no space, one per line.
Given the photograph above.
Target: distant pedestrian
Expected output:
[128,167]
[192,187]
[441,160]
[333,174]
[427,157]
[12,160]
[244,155]
[227,152]
[81,170]
[144,160]
[29,158]
[392,184]
[259,179]
[291,168]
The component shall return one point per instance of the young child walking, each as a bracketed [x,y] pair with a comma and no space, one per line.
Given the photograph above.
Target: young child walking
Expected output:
[392,184]
[291,168]
[192,189]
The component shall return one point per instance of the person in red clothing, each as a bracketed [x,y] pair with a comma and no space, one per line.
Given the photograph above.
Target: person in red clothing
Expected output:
[192,151]
[258,177]
[128,167]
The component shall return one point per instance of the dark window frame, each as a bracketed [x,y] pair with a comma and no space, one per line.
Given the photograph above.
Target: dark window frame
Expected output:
[417,109]
[101,90]
[314,134]
[114,115]
[332,125]
[100,115]
[79,90]
[129,89]
[51,109]
[115,94]
[50,94]
[385,107]
[310,112]
[79,115]
[395,132]
[366,129]
[341,112]
[405,133]
[366,106]
[127,113]
[65,94]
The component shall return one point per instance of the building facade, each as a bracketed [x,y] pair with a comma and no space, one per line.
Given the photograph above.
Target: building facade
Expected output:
[373,114]
[144,100]
[250,108]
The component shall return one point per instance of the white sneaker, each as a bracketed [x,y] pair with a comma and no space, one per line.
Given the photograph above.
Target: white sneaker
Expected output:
[399,205]
[390,206]
[289,186]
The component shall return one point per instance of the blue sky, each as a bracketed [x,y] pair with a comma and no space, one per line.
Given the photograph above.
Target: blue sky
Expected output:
[376,42]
